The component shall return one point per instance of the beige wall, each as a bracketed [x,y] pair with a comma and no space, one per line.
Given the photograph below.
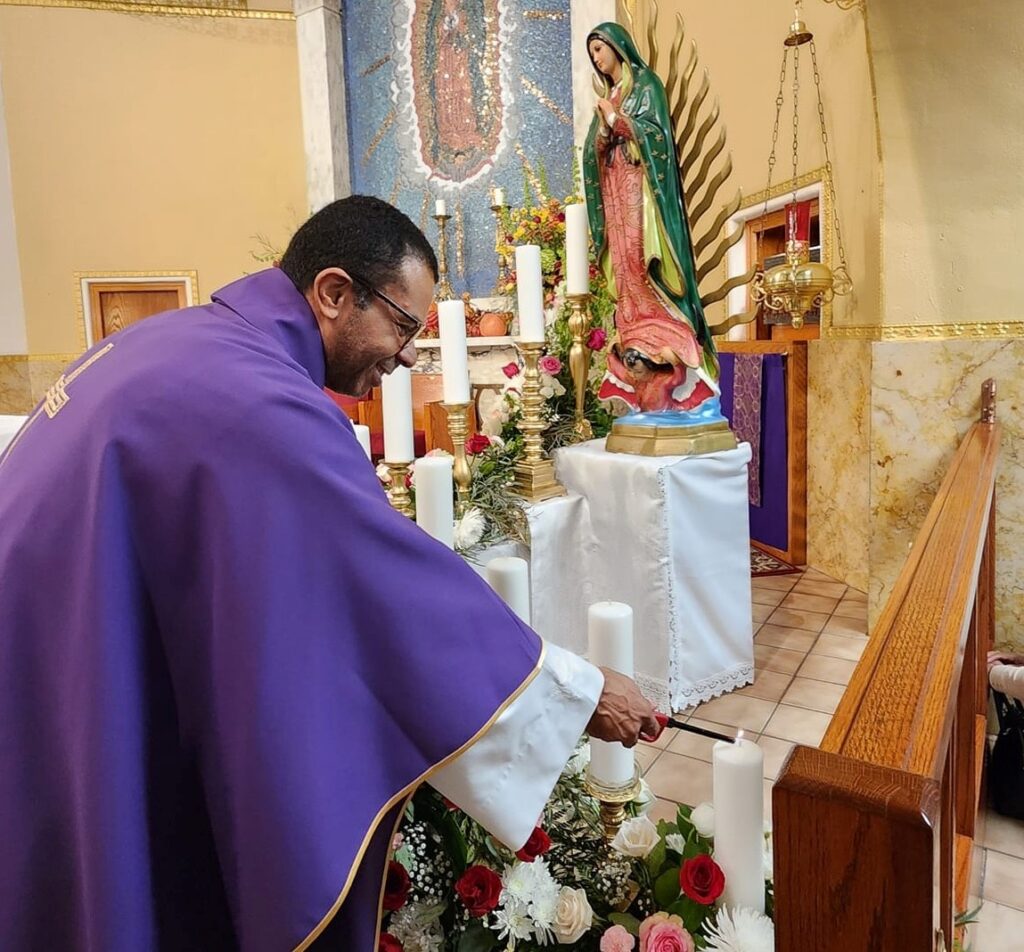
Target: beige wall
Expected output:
[142,143]
[951,114]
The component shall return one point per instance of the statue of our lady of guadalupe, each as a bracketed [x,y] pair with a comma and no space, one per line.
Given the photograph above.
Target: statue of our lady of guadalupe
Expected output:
[662,363]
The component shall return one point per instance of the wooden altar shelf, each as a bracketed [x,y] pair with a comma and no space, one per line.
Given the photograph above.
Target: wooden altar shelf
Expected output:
[874,832]
[795,354]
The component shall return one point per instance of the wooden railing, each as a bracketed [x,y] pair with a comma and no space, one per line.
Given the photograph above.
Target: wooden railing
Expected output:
[874,830]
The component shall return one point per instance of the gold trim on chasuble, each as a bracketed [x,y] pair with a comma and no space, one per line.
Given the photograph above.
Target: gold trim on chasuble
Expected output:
[55,399]
[406,793]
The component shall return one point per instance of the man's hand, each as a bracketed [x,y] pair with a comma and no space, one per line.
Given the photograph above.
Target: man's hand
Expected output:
[1003,657]
[623,713]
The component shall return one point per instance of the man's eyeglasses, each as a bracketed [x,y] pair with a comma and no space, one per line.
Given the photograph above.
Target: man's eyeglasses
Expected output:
[410,327]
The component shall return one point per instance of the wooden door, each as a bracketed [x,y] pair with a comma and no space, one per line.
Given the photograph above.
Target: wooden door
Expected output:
[115,304]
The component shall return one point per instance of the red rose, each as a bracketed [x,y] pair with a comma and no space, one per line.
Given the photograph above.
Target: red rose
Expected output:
[479,888]
[537,845]
[511,370]
[702,879]
[396,889]
[388,943]
[596,338]
[477,443]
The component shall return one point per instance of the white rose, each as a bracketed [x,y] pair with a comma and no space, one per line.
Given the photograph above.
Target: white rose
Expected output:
[636,837]
[573,917]
[579,761]
[645,799]
[703,819]
[383,474]
[676,842]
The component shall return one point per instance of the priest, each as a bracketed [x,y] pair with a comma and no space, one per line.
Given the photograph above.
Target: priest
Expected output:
[225,661]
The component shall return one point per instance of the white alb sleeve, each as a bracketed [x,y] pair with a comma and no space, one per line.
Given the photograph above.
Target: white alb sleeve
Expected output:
[1008,678]
[504,780]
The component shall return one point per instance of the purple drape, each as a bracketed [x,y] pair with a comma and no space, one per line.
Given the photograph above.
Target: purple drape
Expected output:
[769,522]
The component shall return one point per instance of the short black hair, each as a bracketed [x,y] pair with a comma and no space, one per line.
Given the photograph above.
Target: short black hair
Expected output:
[362,234]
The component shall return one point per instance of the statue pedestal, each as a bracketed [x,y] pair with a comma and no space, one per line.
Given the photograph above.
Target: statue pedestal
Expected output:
[667,535]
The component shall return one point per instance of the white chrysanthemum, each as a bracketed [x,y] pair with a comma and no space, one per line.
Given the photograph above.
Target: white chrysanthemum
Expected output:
[469,528]
[383,474]
[512,921]
[438,452]
[416,926]
[741,930]
[768,860]
[517,884]
[544,901]
[676,841]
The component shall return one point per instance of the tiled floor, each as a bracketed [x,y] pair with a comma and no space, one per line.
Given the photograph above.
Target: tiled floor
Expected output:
[809,632]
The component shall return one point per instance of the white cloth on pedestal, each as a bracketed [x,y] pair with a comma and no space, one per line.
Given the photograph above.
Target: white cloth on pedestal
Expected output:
[670,536]
[505,779]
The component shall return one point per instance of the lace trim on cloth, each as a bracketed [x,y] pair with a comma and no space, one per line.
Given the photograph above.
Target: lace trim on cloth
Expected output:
[655,690]
[738,677]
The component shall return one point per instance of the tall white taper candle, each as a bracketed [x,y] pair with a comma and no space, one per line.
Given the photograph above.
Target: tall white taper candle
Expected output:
[738,778]
[610,636]
[451,320]
[440,207]
[577,237]
[435,498]
[396,395]
[510,578]
[530,293]
[363,436]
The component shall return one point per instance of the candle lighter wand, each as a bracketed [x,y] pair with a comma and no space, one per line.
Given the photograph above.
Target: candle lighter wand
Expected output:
[665,721]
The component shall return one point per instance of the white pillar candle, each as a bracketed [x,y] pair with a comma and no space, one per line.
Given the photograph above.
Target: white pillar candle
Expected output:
[440,207]
[499,196]
[737,772]
[363,436]
[451,321]
[510,578]
[610,637]
[530,293]
[435,494]
[396,394]
[577,252]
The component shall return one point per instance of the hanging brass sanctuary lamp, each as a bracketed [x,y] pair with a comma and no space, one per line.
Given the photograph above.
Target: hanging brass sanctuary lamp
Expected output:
[799,285]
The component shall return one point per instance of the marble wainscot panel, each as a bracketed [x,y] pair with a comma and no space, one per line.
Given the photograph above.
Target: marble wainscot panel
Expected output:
[925,396]
[44,369]
[838,418]
[15,385]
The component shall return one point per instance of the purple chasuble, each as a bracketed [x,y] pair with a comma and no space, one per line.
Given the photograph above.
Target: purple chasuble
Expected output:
[224,658]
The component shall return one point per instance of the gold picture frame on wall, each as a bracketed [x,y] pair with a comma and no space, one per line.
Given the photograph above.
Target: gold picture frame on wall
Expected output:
[132,295]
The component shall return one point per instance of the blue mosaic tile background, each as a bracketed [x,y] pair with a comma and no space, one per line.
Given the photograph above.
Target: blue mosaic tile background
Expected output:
[390,48]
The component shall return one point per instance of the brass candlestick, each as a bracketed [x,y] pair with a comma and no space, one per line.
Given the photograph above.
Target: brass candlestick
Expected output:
[613,802]
[579,361]
[499,241]
[535,473]
[445,291]
[398,492]
[458,428]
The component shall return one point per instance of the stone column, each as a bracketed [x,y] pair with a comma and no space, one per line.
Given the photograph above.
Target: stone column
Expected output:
[322,88]
[12,308]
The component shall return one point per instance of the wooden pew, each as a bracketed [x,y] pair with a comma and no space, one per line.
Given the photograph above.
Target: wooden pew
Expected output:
[874,831]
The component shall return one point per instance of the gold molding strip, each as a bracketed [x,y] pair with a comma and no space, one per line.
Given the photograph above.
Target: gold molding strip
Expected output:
[544,14]
[154,9]
[969,330]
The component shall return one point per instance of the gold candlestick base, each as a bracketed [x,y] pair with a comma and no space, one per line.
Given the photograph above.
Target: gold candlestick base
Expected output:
[458,428]
[534,473]
[398,492]
[613,802]
[579,362]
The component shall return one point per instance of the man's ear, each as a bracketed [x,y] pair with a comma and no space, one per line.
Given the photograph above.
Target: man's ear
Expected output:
[331,294]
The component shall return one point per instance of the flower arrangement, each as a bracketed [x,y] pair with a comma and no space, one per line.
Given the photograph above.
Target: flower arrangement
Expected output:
[452,888]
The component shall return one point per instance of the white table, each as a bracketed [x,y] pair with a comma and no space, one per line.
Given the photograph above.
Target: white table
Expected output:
[668,536]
